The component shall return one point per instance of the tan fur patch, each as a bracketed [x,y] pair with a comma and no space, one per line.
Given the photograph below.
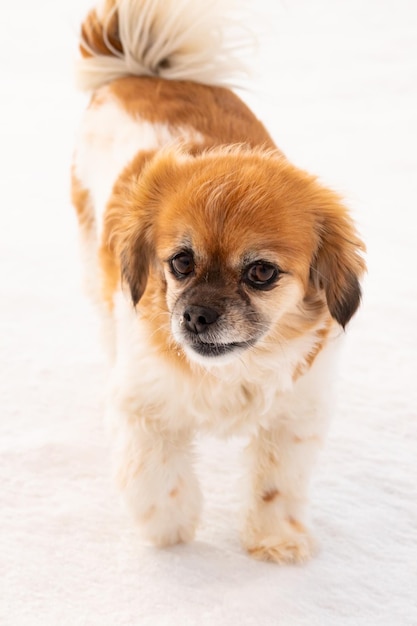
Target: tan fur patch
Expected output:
[313,438]
[298,526]
[147,516]
[127,472]
[283,550]
[321,334]
[271,495]
[215,112]
[81,201]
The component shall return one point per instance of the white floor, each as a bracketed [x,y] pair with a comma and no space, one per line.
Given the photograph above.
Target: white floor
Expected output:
[336,82]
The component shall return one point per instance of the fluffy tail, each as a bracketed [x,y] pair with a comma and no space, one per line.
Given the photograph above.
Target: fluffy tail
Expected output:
[172,39]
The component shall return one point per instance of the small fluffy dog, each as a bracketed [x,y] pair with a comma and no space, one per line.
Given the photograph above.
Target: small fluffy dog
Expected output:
[224,274]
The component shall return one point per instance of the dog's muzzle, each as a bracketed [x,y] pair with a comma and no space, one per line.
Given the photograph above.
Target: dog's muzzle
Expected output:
[197,323]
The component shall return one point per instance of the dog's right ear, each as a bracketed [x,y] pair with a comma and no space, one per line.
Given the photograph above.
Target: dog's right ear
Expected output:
[133,213]
[128,225]
[135,261]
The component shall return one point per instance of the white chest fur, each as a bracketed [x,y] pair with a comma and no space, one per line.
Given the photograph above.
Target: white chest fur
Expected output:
[257,389]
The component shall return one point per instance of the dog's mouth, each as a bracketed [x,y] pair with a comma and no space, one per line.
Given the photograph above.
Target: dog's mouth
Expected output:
[208,337]
[217,349]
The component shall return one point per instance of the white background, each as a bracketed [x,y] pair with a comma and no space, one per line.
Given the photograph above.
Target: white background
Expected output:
[336,84]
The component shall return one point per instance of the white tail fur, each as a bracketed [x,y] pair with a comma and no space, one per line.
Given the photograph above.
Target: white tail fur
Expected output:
[171,39]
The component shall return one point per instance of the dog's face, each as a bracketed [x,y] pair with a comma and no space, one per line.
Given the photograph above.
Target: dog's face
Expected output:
[225,296]
[233,243]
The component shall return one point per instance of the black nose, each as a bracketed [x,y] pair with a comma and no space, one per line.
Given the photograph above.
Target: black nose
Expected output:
[197,318]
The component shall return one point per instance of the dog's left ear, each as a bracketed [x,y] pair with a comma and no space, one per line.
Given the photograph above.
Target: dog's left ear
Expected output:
[338,265]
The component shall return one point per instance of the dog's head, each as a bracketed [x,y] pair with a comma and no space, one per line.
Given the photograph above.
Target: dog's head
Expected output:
[231,243]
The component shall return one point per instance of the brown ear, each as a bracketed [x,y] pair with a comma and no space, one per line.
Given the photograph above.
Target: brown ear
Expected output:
[135,261]
[128,225]
[133,211]
[338,265]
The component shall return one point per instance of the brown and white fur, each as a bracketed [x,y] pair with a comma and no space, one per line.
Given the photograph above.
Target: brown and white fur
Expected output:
[224,275]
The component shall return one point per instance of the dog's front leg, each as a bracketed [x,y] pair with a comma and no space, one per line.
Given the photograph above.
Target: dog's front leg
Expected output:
[280,466]
[154,470]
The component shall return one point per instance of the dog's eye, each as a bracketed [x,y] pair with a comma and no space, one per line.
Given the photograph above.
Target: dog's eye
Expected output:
[182,264]
[261,275]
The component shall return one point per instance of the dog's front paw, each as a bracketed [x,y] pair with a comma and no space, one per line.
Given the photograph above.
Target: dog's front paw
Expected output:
[165,526]
[159,486]
[290,542]
[170,518]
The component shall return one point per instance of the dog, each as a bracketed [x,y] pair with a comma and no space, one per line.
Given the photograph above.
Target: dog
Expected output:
[223,274]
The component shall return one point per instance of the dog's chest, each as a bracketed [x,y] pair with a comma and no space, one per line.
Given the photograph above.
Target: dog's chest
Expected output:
[226,408]
[234,399]
[222,402]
